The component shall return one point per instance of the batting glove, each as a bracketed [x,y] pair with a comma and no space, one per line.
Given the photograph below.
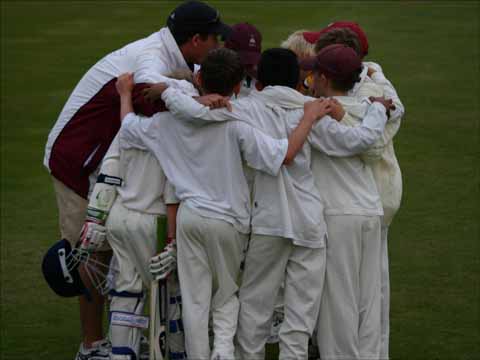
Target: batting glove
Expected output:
[164,263]
[93,232]
[92,236]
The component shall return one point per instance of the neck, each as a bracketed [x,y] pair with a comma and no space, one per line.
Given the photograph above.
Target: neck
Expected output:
[332,92]
[186,53]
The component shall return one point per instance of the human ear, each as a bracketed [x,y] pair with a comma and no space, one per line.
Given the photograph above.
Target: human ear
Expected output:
[259,86]
[236,88]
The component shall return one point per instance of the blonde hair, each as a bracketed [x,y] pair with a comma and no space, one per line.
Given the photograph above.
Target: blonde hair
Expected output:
[297,43]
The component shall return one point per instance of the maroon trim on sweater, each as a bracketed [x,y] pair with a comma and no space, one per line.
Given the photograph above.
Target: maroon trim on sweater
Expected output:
[91,131]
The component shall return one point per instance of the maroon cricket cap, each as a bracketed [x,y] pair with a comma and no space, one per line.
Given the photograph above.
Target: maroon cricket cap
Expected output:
[311,36]
[246,40]
[362,37]
[336,61]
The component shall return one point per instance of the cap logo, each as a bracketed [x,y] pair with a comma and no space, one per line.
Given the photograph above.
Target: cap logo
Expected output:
[172,16]
[252,42]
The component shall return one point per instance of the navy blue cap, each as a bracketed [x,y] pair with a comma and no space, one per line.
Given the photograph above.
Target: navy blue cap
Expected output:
[60,270]
[198,17]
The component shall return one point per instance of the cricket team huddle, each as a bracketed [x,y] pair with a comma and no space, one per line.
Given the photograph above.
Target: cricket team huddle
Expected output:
[277,177]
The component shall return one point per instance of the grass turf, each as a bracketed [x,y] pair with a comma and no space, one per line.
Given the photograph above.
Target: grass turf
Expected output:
[430,51]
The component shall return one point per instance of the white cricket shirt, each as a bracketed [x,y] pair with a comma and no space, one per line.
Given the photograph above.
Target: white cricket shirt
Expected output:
[204,163]
[345,183]
[144,182]
[287,205]
[384,163]
[151,59]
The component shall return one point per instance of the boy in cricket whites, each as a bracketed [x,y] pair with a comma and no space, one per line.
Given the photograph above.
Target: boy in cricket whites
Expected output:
[381,156]
[131,229]
[287,224]
[300,43]
[204,163]
[349,321]
[246,40]
[87,125]
[131,211]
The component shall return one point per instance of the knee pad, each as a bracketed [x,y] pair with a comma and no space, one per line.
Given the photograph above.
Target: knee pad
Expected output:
[176,335]
[126,324]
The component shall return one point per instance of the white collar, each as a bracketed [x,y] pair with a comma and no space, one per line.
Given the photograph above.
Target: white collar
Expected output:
[363,76]
[172,49]
[281,96]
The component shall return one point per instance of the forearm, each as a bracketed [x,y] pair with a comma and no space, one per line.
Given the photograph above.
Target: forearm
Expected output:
[104,192]
[298,137]
[185,107]
[141,105]
[172,210]
[335,139]
[126,105]
[390,93]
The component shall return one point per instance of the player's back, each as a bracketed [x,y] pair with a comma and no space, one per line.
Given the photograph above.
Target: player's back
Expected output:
[287,205]
[381,156]
[208,175]
[290,198]
[346,183]
[137,169]
[204,163]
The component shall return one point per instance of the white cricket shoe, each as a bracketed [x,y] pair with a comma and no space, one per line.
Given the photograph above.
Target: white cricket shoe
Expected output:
[100,350]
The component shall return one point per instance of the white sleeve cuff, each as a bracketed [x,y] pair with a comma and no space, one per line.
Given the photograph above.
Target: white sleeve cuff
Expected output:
[379,105]
[129,117]
[281,157]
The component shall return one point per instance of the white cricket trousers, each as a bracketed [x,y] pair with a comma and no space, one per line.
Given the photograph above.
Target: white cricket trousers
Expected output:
[271,260]
[349,321]
[385,307]
[209,253]
[133,238]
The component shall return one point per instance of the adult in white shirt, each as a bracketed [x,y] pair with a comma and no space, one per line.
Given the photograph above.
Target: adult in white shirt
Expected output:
[287,223]
[88,123]
[381,156]
[204,163]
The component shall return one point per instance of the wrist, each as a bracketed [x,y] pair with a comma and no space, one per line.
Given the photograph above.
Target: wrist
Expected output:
[127,94]
[309,118]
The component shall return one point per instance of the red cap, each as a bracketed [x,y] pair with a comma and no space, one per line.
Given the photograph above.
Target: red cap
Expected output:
[246,40]
[311,36]
[336,61]
[362,37]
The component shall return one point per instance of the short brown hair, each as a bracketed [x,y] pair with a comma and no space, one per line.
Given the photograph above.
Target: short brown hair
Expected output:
[343,36]
[221,71]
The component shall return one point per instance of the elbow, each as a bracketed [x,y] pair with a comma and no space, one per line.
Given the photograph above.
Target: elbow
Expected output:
[374,136]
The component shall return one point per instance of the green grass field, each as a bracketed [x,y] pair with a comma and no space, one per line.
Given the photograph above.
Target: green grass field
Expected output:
[429,50]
